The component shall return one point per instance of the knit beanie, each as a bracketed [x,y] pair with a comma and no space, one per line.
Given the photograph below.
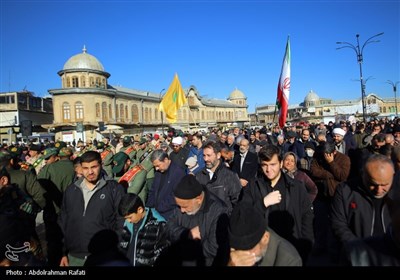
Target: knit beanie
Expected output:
[246,227]
[188,188]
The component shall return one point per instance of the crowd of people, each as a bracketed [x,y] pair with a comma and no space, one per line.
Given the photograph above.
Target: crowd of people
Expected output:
[239,197]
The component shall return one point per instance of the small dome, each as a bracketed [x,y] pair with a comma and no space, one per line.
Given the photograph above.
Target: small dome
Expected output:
[311,97]
[83,61]
[237,94]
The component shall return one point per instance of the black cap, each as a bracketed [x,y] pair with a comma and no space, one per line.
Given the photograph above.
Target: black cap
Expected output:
[246,227]
[188,188]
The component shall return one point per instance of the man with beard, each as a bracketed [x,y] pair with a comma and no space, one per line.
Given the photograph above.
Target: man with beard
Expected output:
[253,244]
[198,229]
[167,176]
[217,178]
[89,205]
[245,163]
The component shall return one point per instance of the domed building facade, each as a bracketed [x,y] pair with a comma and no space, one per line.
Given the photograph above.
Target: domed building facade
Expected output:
[86,103]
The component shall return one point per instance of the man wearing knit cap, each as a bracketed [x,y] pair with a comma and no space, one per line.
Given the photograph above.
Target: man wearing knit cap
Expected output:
[253,244]
[198,229]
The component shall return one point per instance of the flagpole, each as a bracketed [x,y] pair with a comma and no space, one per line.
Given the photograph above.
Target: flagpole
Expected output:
[273,119]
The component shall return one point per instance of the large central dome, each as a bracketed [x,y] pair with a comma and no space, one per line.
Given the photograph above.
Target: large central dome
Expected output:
[83,61]
[236,94]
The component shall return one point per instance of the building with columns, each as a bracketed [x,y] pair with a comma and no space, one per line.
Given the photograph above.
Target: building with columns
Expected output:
[85,101]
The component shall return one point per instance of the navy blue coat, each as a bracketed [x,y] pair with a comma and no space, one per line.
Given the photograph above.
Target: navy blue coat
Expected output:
[162,197]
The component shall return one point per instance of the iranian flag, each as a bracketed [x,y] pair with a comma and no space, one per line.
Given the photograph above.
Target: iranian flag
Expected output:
[284,87]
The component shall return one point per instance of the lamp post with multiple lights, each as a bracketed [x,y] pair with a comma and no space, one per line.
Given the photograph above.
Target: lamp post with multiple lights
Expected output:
[359,53]
[394,85]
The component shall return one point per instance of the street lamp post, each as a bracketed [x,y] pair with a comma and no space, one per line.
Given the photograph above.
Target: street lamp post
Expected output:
[256,113]
[162,114]
[394,85]
[359,53]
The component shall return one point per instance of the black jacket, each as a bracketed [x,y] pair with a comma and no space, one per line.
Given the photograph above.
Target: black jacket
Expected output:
[379,250]
[298,214]
[212,219]
[162,197]
[79,225]
[225,184]
[249,168]
[353,214]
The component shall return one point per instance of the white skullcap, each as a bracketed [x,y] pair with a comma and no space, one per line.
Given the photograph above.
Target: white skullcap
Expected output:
[177,140]
[339,131]
[191,161]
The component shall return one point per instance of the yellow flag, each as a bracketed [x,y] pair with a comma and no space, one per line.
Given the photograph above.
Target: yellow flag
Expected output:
[173,100]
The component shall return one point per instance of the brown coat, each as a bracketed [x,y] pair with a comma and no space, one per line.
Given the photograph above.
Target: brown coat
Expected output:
[331,174]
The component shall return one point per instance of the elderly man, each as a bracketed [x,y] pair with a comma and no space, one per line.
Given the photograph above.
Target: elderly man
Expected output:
[245,163]
[167,176]
[382,249]
[179,153]
[198,229]
[359,209]
[253,244]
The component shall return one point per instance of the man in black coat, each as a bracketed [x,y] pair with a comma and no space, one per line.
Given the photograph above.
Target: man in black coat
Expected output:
[167,176]
[245,163]
[282,200]
[217,178]
[198,230]
[359,207]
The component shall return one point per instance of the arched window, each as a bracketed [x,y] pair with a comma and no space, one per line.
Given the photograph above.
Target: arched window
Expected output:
[121,112]
[126,112]
[110,112]
[83,81]
[79,110]
[68,82]
[91,81]
[384,109]
[75,82]
[66,111]
[97,110]
[104,114]
[135,113]
[116,113]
